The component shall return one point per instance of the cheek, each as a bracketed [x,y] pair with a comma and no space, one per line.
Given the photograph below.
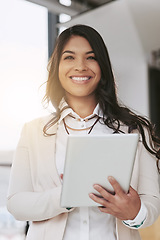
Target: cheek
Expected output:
[62,76]
[96,68]
[98,71]
[61,72]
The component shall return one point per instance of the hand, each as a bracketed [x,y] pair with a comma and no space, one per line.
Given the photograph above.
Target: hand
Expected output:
[124,206]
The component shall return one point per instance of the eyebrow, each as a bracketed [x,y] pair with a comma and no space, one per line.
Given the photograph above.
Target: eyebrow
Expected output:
[68,51]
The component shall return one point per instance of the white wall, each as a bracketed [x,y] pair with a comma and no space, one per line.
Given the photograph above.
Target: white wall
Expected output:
[146,15]
[114,22]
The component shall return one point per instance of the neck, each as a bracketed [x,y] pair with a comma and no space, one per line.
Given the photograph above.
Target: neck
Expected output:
[82,106]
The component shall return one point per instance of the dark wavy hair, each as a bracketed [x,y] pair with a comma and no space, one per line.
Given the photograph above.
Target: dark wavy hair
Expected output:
[114,114]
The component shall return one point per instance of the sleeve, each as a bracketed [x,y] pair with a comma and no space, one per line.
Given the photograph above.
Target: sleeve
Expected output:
[148,188]
[22,201]
[138,221]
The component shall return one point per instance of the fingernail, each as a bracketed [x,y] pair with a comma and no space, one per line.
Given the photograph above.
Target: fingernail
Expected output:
[110,178]
[96,186]
[91,195]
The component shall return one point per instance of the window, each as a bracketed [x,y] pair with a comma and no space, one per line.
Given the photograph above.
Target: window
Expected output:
[23,68]
[23,61]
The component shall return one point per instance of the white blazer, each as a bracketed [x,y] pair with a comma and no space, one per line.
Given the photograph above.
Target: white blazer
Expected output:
[35,186]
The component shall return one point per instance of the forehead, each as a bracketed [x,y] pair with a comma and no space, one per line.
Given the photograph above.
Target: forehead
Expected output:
[77,43]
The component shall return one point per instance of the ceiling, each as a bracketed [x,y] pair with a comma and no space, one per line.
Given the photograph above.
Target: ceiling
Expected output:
[145,14]
[77,6]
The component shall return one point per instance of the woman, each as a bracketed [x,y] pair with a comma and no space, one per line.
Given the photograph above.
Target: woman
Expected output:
[81,87]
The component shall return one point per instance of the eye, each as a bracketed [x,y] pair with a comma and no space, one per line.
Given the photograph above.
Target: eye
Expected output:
[68,57]
[91,58]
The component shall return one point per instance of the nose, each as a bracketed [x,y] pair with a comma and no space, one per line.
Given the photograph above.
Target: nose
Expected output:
[80,65]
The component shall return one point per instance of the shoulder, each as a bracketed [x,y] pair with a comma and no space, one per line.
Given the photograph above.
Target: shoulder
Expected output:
[40,121]
[37,124]
[32,131]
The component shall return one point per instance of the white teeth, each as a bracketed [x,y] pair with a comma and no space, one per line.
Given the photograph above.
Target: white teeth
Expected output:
[80,78]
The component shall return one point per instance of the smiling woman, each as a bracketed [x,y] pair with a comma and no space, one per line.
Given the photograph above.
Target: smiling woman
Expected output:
[79,73]
[81,87]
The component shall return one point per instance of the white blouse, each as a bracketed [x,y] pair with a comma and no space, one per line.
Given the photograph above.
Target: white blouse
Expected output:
[86,223]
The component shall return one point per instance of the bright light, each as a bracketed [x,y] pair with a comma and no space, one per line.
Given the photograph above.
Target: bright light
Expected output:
[64,18]
[23,61]
[65,2]
[22,104]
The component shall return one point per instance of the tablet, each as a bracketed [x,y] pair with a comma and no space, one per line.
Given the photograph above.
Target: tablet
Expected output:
[90,160]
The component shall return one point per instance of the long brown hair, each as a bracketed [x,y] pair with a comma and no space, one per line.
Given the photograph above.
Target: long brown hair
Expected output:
[113,112]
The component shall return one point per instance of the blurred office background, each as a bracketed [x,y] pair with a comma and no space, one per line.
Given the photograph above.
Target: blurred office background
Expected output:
[28,29]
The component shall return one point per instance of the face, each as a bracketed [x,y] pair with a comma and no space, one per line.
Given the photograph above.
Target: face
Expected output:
[79,71]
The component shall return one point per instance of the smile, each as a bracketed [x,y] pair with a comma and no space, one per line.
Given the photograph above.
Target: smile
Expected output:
[80,79]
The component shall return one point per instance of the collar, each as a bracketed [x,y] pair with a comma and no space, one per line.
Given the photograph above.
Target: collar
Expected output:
[98,111]
[66,110]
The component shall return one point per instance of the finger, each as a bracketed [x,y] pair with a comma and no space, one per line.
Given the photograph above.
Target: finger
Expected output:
[106,210]
[103,192]
[99,200]
[132,192]
[116,186]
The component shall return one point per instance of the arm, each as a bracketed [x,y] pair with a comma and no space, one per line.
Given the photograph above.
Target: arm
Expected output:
[148,187]
[23,201]
[127,206]
[148,190]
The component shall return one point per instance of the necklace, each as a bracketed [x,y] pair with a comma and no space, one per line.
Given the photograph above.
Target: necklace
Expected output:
[82,129]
